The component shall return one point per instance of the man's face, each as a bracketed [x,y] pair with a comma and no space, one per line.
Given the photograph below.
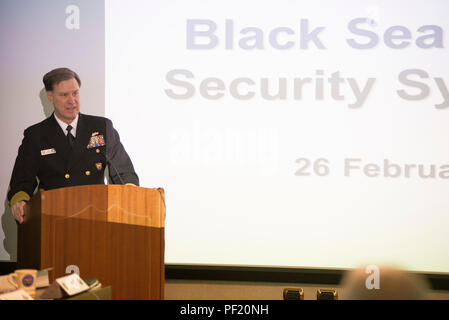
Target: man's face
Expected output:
[65,97]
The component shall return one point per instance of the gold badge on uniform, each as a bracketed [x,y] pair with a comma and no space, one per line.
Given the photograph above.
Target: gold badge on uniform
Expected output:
[99,166]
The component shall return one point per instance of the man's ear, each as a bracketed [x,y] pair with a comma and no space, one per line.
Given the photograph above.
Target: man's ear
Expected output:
[50,96]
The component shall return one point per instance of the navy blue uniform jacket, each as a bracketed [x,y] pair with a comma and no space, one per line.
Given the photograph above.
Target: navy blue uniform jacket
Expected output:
[45,155]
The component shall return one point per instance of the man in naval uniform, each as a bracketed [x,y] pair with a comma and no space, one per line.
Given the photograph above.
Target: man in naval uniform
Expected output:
[68,148]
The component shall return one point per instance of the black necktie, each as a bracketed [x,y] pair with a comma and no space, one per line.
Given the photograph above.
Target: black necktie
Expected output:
[70,136]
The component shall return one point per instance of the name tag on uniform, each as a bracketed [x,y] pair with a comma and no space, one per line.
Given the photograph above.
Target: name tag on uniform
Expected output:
[48,151]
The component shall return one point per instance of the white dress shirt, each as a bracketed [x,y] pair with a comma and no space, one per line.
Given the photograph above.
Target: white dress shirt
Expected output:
[65,125]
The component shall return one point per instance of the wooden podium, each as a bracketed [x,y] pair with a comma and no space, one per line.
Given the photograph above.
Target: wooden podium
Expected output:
[113,233]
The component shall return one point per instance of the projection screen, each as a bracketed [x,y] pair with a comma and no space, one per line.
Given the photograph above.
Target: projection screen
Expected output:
[288,133]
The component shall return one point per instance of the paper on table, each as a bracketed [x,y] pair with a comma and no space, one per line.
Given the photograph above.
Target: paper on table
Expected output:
[16,295]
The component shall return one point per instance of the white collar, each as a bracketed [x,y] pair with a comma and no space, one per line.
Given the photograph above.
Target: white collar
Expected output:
[64,125]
